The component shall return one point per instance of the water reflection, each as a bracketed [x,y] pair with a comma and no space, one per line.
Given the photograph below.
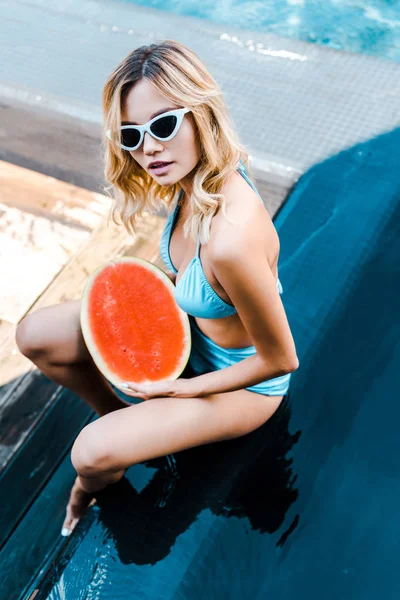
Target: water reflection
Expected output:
[251,477]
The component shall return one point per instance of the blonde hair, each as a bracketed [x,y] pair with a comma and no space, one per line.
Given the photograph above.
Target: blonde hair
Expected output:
[178,74]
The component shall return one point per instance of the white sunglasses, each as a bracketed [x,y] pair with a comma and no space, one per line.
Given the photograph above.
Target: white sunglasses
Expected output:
[163,128]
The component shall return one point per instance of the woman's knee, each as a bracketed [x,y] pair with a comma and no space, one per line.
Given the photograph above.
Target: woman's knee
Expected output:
[89,454]
[54,332]
[30,336]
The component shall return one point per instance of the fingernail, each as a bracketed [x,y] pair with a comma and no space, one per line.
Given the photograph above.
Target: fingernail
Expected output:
[125,386]
[65,532]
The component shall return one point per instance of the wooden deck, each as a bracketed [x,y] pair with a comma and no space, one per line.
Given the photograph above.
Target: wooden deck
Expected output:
[53,235]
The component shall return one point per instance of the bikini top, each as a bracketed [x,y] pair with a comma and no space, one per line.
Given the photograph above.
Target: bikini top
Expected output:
[193,293]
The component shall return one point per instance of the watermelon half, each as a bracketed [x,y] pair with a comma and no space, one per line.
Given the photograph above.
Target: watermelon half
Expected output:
[132,325]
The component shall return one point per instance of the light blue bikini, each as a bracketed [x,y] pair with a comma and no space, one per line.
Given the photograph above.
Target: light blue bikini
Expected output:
[197,298]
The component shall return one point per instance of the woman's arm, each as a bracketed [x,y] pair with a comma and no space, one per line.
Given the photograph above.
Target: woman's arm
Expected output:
[244,272]
[252,288]
[247,372]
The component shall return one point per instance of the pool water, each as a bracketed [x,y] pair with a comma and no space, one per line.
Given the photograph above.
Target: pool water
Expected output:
[367,26]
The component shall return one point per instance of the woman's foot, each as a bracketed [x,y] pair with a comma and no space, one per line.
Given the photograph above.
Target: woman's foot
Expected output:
[79,501]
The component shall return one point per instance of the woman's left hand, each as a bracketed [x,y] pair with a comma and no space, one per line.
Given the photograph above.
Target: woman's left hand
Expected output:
[179,388]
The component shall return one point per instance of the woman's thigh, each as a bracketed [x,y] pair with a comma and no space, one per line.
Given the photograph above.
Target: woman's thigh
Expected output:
[54,331]
[162,426]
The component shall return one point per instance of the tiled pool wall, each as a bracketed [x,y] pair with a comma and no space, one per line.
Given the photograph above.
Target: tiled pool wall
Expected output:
[293,103]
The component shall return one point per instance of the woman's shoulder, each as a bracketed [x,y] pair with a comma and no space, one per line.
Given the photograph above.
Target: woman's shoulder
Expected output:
[248,220]
[240,198]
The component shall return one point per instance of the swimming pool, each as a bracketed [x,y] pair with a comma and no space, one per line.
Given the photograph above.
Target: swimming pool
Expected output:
[367,26]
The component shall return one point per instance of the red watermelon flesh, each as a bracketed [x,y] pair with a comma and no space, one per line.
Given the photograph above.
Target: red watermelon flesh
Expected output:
[133,327]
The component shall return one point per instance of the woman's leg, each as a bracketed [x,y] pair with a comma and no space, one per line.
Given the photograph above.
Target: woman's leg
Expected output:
[52,339]
[108,446]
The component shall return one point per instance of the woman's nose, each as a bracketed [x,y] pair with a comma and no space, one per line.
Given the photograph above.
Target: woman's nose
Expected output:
[150,144]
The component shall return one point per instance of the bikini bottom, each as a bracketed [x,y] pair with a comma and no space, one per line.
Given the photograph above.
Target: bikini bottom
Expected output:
[207,356]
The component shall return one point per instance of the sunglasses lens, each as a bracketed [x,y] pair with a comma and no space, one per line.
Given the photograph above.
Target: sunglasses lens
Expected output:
[163,127]
[130,137]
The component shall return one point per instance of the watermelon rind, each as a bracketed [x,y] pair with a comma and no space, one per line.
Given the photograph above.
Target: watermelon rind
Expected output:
[113,377]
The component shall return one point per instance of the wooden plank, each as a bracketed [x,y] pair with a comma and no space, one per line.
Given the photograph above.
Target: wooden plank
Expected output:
[43,222]
[18,375]
[28,400]
[109,241]
[9,387]
[36,539]
[49,197]
[6,329]
[34,464]
[33,250]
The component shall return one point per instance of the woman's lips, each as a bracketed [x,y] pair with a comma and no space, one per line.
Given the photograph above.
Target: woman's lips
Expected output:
[159,170]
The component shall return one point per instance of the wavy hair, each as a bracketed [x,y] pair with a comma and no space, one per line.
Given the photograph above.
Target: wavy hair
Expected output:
[178,74]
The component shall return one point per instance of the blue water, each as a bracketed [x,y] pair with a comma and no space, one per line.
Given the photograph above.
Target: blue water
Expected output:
[367,26]
[306,506]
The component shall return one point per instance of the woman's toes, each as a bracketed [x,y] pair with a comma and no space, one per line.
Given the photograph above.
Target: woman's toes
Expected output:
[70,522]
[65,532]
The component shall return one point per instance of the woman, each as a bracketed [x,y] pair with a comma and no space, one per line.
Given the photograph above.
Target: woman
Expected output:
[169,141]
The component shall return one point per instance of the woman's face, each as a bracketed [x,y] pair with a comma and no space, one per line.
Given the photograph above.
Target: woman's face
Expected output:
[142,103]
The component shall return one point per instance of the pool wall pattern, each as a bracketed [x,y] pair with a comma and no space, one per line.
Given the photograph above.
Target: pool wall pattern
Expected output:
[293,103]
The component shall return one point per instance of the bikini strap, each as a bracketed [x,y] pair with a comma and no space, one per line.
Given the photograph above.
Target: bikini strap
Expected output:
[198,246]
[242,166]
